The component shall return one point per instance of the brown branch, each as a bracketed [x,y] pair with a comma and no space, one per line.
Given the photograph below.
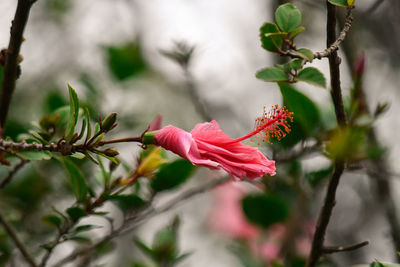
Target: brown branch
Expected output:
[63,147]
[12,172]
[335,45]
[324,216]
[137,139]
[10,72]
[330,250]
[19,243]
[329,202]
[133,222]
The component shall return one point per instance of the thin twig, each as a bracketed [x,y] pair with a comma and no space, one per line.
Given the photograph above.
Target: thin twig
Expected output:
[12,172]
[324,216]
[335,45]
[64,148]
[19,243]
[133,222]
[330,250]
[10,72]
[54,243]
[137,139]
[329,202]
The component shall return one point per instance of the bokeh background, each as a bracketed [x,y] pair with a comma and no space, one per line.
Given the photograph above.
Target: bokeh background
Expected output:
[113,52]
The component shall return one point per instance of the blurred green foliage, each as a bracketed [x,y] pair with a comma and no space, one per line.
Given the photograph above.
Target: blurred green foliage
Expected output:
[125,61]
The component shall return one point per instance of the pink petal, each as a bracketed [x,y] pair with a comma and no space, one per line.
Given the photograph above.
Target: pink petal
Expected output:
[181,142]
[155,124]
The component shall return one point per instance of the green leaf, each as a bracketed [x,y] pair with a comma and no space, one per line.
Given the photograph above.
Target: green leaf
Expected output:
[78,155]
[172,175]
[288,17]
[312,76]
[113,159]
[296,32]
[77,181]
[381,264]
[89,127]
[53,220]
[182,257]
[81,239]
[125,61]
[264,210]
[63,113]
[305,53]
[35,155]
[316,177]
[296,135]
[104,172]
[272,74]
[38,137]
[85,227]
[305,111]
[165,246]
[348,143]
[295,64]
[127,202]
[144,248]
[75,213]
[90,157]
[73,113]
[342,3]
[83,128]
[276,34]
[270,43]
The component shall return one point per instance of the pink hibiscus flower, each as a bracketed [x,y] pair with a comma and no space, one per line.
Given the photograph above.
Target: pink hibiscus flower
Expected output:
[227,216]
[207,145]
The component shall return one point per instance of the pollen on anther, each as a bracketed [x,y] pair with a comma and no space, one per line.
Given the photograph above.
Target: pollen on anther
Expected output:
[274,123]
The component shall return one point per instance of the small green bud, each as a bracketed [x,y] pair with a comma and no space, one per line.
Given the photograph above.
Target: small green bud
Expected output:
[148,138]
[113,165]
[108,123]
[111,152]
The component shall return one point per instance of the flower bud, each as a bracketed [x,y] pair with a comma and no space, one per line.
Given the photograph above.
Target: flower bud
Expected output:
[359,66]
[111,152]
[114,165]
[108,123]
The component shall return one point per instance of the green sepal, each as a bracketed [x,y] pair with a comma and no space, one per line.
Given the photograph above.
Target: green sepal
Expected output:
[148,138]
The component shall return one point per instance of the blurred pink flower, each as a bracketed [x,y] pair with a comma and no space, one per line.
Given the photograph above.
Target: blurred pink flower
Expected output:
[155,124]
[359,66]
[270,248]
[227,216]
[208,146]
